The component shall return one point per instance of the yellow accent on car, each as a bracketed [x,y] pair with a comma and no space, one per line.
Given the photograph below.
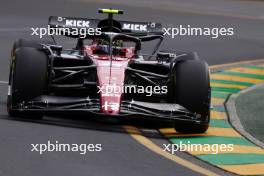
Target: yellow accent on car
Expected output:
[113,11]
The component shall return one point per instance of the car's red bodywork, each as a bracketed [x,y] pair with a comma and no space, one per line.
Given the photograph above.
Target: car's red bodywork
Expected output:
[110,74]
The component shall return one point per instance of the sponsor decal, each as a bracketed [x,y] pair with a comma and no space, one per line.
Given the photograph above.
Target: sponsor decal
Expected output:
[135,27]
[107,106]
[77,23]
[74,22]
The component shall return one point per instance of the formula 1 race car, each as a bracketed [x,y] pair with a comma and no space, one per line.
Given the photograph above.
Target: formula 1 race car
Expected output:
[106,74]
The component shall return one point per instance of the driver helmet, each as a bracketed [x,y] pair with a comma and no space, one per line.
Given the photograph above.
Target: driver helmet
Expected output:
[103,45]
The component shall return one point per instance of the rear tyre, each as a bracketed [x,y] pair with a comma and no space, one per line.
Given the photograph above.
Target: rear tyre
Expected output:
[28,78]
[192,91]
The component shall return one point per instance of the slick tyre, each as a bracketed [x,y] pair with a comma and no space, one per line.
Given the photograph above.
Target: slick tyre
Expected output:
[192,91]
[30,43]
[28,78]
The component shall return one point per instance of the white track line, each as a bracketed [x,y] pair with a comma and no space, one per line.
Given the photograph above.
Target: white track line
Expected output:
[3,82]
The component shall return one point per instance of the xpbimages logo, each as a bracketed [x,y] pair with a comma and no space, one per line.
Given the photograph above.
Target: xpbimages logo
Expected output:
[81,31]
[62,147]
[188,30]
[189,147]
[117,90]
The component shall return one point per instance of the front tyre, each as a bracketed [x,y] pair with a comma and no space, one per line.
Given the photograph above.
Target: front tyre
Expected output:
[28,79]
[192,91]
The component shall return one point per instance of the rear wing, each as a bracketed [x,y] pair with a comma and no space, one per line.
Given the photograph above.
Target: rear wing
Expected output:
[128,27]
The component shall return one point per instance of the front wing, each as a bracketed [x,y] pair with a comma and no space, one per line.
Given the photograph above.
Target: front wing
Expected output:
[129,109]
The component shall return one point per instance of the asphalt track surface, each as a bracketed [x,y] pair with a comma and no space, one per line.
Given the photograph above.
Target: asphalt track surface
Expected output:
[121,154]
